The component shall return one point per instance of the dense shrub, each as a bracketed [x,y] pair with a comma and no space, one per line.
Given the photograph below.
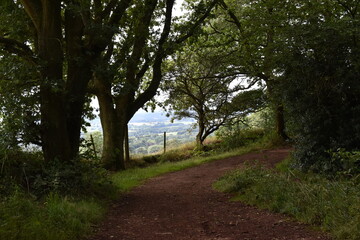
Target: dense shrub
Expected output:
[74,178]
[320,87]
[18,168]
[346,164]
[231,138]
[28,171]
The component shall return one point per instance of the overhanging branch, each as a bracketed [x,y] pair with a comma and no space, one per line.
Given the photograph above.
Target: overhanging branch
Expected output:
[18,48]
[196,24]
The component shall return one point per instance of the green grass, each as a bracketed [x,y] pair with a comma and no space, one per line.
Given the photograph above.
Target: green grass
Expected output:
[331,205]
[57,218]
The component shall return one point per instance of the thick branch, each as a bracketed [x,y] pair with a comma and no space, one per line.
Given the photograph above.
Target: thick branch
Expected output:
[119,11]
[232,15]
[197,23]
[159,56]
[34,10]
[141,34]
[18,48]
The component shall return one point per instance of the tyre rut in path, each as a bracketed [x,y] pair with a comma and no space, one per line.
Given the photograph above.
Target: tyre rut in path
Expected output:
[183,205]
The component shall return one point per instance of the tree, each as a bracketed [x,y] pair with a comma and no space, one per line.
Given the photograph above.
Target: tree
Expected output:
[306,52]
[19,95]
[201,86]
[130,71]
[67,39]
[251,31]
[321,74]
[71,40]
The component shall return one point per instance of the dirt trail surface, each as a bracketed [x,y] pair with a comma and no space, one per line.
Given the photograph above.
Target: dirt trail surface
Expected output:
[183,205]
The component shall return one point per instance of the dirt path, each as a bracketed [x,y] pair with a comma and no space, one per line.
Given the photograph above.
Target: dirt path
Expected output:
[182,205]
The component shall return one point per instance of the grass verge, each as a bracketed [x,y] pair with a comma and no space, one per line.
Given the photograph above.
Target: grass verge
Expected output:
[331,205]
[57,218]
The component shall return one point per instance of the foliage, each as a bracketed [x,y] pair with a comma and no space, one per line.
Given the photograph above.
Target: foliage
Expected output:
[74,178]
[321,88]
[343,164]
[44,201]
[307,54]
[18,168]
[19,103]
[91,146]
[28,170]
[263,119]
[233,137]
[332,205]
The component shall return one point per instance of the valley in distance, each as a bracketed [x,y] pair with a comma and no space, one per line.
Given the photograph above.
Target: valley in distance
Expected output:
[146,132]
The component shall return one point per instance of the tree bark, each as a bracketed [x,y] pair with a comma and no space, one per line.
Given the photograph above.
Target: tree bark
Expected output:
[54,132]
[113,136]
[200,135]
[280,122]
[278,112]
[79,72]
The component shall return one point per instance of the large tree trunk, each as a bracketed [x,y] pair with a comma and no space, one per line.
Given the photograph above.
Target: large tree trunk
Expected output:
[79,72]
[280,122]
[113,136]
[278,111]
[61,100]
[113,125]
[54,132]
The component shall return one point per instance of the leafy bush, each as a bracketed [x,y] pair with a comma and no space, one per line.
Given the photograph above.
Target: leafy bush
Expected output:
[37,199]
[28,170]
[343,163]
[17,168]
[332,205]
[175,155]
[231,138]
[321,92]
[74,178]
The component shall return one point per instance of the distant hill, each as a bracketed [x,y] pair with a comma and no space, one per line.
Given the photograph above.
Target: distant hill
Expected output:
[146,117]
[146,131]
[141,117]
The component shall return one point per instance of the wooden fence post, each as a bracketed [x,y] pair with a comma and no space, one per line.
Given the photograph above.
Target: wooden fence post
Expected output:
[164,142]
[93,145]
[127,150]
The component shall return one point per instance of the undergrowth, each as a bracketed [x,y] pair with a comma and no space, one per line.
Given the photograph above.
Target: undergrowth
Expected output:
[332,205]
[55,218]
[50,201]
